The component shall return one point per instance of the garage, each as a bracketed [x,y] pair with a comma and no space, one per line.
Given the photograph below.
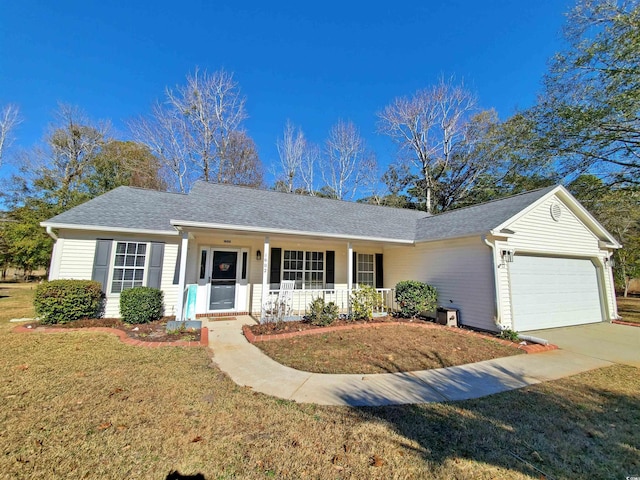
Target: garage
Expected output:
[549,292]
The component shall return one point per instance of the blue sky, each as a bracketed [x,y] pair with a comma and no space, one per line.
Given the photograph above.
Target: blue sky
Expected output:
[311,62]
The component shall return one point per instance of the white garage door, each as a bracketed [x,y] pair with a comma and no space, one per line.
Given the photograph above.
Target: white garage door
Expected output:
[549,292]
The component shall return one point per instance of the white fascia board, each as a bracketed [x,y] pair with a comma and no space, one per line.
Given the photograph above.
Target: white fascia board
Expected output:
[278,231]
[70,226]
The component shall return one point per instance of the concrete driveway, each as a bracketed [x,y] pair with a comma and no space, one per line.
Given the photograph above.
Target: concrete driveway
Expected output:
[605,341]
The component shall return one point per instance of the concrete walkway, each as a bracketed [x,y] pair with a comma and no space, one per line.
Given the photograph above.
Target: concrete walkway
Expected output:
[248,366]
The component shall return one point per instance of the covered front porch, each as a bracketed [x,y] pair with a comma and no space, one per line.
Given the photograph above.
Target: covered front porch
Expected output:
[276,276]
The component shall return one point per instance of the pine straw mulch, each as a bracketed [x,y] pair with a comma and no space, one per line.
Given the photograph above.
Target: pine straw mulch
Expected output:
[147,332]
[275,328]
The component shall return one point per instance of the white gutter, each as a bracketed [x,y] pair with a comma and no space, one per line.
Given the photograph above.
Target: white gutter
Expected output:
[102,228]
[51,234]
[276,231]
[496,281]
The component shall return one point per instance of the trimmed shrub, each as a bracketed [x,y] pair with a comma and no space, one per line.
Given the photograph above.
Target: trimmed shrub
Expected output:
[363,301]
[141,304]
[415,297]
[62,301]
[322,314]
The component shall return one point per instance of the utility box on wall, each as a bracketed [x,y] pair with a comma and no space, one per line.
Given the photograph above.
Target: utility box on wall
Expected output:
[447,316]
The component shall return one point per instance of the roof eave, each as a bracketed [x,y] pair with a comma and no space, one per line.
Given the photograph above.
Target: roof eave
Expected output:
[279,231]
[103,228]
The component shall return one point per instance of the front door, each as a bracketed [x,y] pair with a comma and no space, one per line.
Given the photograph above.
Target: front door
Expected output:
[224,272]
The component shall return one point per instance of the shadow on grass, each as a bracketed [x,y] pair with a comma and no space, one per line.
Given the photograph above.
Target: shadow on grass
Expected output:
[565,429]
[175,475]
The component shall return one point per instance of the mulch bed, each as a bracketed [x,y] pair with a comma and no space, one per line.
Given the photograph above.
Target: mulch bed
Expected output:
[274,328]
[273,331]
[145,332]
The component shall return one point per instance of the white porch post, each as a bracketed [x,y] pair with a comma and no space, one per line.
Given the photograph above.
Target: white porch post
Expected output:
[265,277]
[349,267]
[349,273]
[183,275]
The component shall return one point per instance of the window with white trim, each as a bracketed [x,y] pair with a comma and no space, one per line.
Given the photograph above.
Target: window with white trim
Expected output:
[129,264]
[306,268]
[365,269]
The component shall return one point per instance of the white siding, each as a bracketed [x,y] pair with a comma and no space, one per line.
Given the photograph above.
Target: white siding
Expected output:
[76,258]
[461,270]
[537,232]
[166,284]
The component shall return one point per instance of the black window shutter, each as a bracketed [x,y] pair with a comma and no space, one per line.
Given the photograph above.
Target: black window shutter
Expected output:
[354,273]
[176,270]
[102,263]
[274,270]
[154,272]
[379,271]
[244,265]
[330,269]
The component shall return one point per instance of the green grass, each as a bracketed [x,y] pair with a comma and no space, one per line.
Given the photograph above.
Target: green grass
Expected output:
[84,405]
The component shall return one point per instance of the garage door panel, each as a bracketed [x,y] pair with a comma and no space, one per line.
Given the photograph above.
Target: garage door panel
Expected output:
[549,292]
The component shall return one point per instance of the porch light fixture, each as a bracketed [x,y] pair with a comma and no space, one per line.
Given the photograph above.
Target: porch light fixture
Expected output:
[609,262]
[258,255]
[507,256]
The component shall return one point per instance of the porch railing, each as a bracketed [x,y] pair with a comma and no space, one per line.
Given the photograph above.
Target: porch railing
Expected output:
[293,305]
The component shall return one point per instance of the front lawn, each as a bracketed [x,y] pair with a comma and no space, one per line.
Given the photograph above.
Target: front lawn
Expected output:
[629,309]
[84,405]
[382,349]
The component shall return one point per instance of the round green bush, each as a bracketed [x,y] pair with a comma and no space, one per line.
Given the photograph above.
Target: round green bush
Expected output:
[62,301]
[141,304]
[415,297]
[321,313]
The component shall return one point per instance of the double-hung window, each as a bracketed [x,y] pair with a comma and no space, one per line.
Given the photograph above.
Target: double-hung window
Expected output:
[305,268]
[129,265]
[365,269]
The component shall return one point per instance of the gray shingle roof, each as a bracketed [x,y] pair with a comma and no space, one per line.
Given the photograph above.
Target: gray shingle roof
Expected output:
[249,207]
[126,207]
[233,206]
[476,219]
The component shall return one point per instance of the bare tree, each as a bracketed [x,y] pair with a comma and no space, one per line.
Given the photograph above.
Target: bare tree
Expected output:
[242,165]
[165,133]
[428,125]
[348,165]
[71,147]
[291,150]
[311,159]
[9,120]
[192,133]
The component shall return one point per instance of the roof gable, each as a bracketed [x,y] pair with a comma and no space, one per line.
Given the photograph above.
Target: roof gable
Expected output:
[476,219]
[561,194]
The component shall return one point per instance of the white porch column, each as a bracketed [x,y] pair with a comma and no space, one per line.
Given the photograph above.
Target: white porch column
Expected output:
[265,277]
[184,246]
[349,274]
[349,267]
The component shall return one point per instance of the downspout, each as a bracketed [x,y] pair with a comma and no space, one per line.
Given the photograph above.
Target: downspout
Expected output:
[51,234]
[496,282]
[51,271]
